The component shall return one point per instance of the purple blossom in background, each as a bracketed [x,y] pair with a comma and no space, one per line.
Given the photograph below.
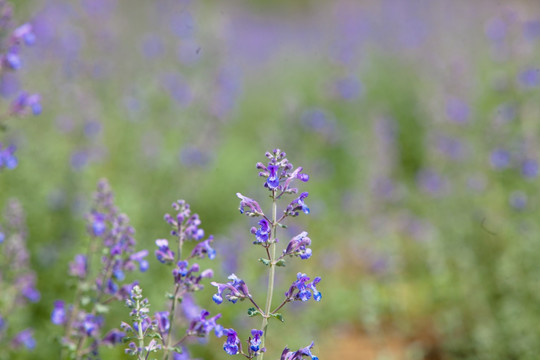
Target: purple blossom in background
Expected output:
[531,30]
[163,253]
[348,88]
[201,326]
[17,279]
[529,78]
[518,200]
[431,182]
[496,30]
[24,338]
[457,110]
[529,168]
[8,159]
[500,159]
[58,316]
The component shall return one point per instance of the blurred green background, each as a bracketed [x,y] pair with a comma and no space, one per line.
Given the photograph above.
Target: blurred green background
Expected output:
[417,122]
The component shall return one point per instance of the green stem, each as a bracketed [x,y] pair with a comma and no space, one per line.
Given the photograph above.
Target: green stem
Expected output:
[141,334]
[175,297]
[271,275]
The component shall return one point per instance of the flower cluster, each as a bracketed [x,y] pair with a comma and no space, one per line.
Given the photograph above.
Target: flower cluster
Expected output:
[111,236]
[17,280]
[11,40]
[280,176]
[187,278]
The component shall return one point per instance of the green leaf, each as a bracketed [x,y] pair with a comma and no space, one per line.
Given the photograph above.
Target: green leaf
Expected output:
[169,296]
[265,261]
[253,312]
[281,263]
[278,316]
[282,226]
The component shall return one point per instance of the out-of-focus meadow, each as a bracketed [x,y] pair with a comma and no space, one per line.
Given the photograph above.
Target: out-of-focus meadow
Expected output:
[418,122]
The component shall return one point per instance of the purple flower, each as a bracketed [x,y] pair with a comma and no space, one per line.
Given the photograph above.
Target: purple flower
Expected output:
[500,159]
[296,205]
[529,168]
[25,101]
[262,233]
[98,223]
[298,246]
[163,253]
[113,337]
[237,289]
[457,110]
[12,60]
[518,200]
[188,277]
[25,338]
[232,343]
[245,202]
[139,257]
[298,355]
[529,78]
[201,326]
[7,157]
[78,267]
[163,324]
[255,341]
[24,33]
[348,88]
[273,178]
[91,324]
[301,289]
[58,316]
[204,248]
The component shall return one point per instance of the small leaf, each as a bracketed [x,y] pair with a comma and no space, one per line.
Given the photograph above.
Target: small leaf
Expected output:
[253,312]
[85,300]
[282,226]
[278,316]
[281,263]
[102,309]
[169,296]
[265,261]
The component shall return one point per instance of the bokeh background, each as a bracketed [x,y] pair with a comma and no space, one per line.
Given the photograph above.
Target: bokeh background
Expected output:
[418,122]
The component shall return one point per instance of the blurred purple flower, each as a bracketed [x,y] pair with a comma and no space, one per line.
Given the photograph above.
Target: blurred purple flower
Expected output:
[457,110]
[529,78]
[529,168]
[518,200]
[500,159]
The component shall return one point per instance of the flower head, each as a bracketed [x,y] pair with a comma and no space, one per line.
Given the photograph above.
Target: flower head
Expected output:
[234,290]
[231,346]
[299,354]
[302,289]
[163,253]
[298,246]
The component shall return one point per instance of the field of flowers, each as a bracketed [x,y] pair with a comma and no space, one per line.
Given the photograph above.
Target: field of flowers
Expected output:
[402,222]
